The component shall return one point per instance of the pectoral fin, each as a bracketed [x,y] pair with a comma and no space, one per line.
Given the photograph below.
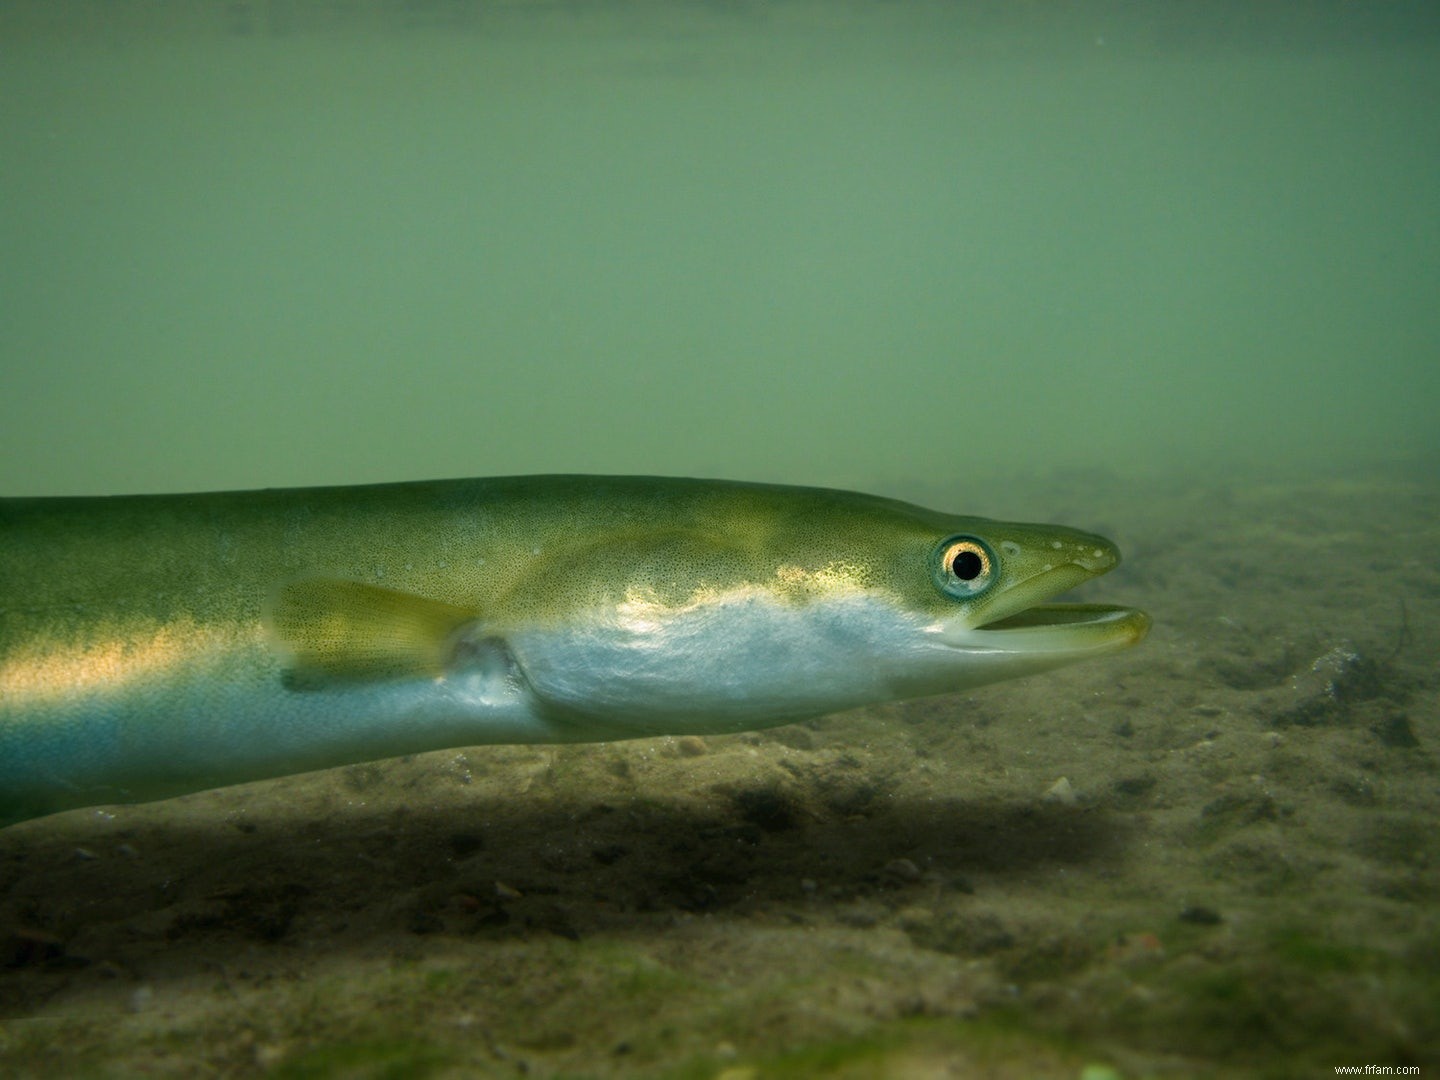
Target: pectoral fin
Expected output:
[343,631]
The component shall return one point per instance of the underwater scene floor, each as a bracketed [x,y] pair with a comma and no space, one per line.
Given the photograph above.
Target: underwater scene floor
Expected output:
[1214,855]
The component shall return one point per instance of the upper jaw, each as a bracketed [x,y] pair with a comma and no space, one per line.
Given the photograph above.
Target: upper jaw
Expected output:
[1024,595]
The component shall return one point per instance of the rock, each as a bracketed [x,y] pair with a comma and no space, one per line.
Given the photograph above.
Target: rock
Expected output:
[1338,678]
[1200,915]
[1061,793]
[767,807]
[902,870]
[1393,729]
[691,746]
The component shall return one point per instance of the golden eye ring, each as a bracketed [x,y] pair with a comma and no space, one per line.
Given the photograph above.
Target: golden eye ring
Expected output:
[964,566]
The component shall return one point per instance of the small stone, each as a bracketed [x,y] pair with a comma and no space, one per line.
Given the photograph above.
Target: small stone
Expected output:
[607,854]
[861,917]
[620,767]
[902,870]
[1335,681]
[505,892]
[465,843]
[768,808]
[692,746]
[795,737]
[1134,787]
[1395,730]
[1200,915]
[1061,792]
[268,1055]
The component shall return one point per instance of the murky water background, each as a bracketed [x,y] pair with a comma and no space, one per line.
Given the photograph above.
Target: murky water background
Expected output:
[864,245]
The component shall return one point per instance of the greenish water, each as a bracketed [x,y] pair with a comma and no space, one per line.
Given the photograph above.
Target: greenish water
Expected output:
[1170,271]
[880,246]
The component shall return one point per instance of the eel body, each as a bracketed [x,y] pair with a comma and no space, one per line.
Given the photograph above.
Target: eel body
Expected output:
[159,644]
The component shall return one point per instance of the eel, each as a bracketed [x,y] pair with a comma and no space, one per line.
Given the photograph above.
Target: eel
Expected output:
[152,645]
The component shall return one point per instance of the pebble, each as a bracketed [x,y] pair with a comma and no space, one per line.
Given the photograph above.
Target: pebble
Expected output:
[1061,792]
[692,746]
[902,870]
[1201,915]
[268,1055]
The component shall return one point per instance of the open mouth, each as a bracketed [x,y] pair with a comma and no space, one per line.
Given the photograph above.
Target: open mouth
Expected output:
[1018,620]
[1066,628]
[1054,615]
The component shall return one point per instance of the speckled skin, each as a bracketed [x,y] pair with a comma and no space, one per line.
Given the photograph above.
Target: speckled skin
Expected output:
[136,663]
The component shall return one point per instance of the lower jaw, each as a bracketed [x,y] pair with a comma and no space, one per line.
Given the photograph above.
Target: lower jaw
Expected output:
[1063,628]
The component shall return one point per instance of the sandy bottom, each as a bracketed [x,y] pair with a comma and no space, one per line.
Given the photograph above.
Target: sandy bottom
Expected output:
[1216,855]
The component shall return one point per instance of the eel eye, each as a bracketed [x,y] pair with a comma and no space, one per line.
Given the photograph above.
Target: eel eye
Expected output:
[964,567]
